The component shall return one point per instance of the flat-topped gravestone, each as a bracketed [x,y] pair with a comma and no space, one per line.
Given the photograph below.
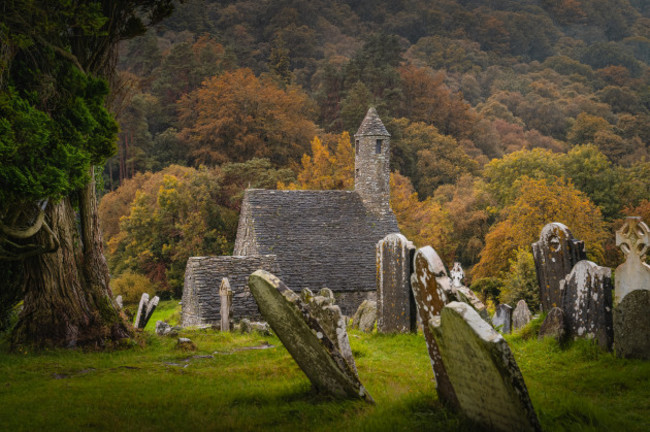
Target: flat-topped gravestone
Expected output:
[432,291]
[305,338]
[553,325]
[555,254]
[366,316]
[587,302]
[502,319]
[489,386]
[634,274]
[225,308]
[395,307]
[632,326]
[521,315]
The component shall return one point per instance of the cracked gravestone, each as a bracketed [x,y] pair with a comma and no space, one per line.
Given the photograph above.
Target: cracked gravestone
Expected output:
[502,319]
[395,307]
[587,303]
[521,315]
[305,338]
[634,274]
[432,290]
[555,254]
[366,316]
[488,383]
[225,294]
[632,326]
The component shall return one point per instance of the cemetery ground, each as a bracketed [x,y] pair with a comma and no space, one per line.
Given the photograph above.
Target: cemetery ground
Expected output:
[225,385]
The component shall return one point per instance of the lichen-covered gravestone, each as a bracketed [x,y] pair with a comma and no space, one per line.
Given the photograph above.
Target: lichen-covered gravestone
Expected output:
[305,338]
[521,316]
[395,306]
[489,386]
[553,325]
[632,326]
[432,291]
[366,316]
[502,319]
[634,274]
[555,254]
[145,310]
[587,302]
[225,293]
[457,275]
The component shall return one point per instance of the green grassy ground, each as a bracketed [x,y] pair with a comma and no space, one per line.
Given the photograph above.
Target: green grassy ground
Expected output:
[161,388]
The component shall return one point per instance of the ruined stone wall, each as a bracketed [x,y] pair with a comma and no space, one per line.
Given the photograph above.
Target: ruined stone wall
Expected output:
[203,275]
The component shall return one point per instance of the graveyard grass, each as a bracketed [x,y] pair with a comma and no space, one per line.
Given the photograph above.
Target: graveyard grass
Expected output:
[156,387]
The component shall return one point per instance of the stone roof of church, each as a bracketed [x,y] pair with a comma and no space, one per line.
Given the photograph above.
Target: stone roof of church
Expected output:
[320,238]
[372,125]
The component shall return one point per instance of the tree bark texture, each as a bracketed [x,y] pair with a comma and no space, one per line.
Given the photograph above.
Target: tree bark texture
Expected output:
[67,299]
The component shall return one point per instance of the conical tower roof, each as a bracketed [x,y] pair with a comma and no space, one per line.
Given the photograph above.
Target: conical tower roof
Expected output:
[372,125]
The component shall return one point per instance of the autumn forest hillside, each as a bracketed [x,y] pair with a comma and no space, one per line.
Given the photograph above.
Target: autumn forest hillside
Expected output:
[505,115]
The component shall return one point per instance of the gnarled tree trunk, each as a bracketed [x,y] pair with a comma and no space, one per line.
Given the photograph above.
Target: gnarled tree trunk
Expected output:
[67,299]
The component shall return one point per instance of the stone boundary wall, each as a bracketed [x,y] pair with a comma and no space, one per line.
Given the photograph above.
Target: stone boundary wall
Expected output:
[201,303]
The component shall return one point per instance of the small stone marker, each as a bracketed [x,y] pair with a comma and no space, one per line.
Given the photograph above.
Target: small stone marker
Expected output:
[483,371]
[555,254]
[553,325]
[225,294]
[502,319]
[632,326]
[395,307]
[163,328]
[457,275]
[119,302]
[521,316]
[432,290]
[366,316]
[185,344]
[634,274]
[587,303]
[305,338]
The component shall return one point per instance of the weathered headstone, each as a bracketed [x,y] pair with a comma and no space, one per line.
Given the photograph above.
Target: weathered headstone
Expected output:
[587,302]
[555,254]
[634,274]
[225,293]
[142,310]
[151,306]
[329,316]
[521,315]
[395,307]
[502,319]
[483,371]
[632,326]
[119,302]
[553,325]
[457,275]
[305,338]
[366,316]
[466,295]
[432,290]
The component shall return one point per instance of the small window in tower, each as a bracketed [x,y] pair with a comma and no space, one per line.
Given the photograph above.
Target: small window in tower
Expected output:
[378,147]
[356,146]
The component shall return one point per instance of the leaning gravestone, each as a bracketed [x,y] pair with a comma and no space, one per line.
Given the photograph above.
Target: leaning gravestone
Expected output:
[632,326]
[489,386]
[151,306]
[395,307]
[553,325]
[587,302]
[305,338]
[634,274]
[225,294]
[555,254]
[463,294]
[521,316]
[432,291]
[145,310]
[502,319]
[366,316]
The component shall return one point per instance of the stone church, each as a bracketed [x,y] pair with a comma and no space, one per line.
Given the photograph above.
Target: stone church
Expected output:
[310,239]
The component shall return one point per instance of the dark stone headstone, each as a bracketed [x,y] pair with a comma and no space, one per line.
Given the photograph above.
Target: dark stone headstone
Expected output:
[488,383]
[305,338]
[632,326]
[395,307]
[553,325]
[587,302]
[634,274]
[521,316]
[555,254]
[432,291]
[366,316]
[142,310]
[151,307]
[502,319]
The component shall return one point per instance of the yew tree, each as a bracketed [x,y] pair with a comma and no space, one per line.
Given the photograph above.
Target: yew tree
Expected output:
[56,59]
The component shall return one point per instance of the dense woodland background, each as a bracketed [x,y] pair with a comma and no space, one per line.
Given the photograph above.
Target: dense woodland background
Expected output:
[505,115]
